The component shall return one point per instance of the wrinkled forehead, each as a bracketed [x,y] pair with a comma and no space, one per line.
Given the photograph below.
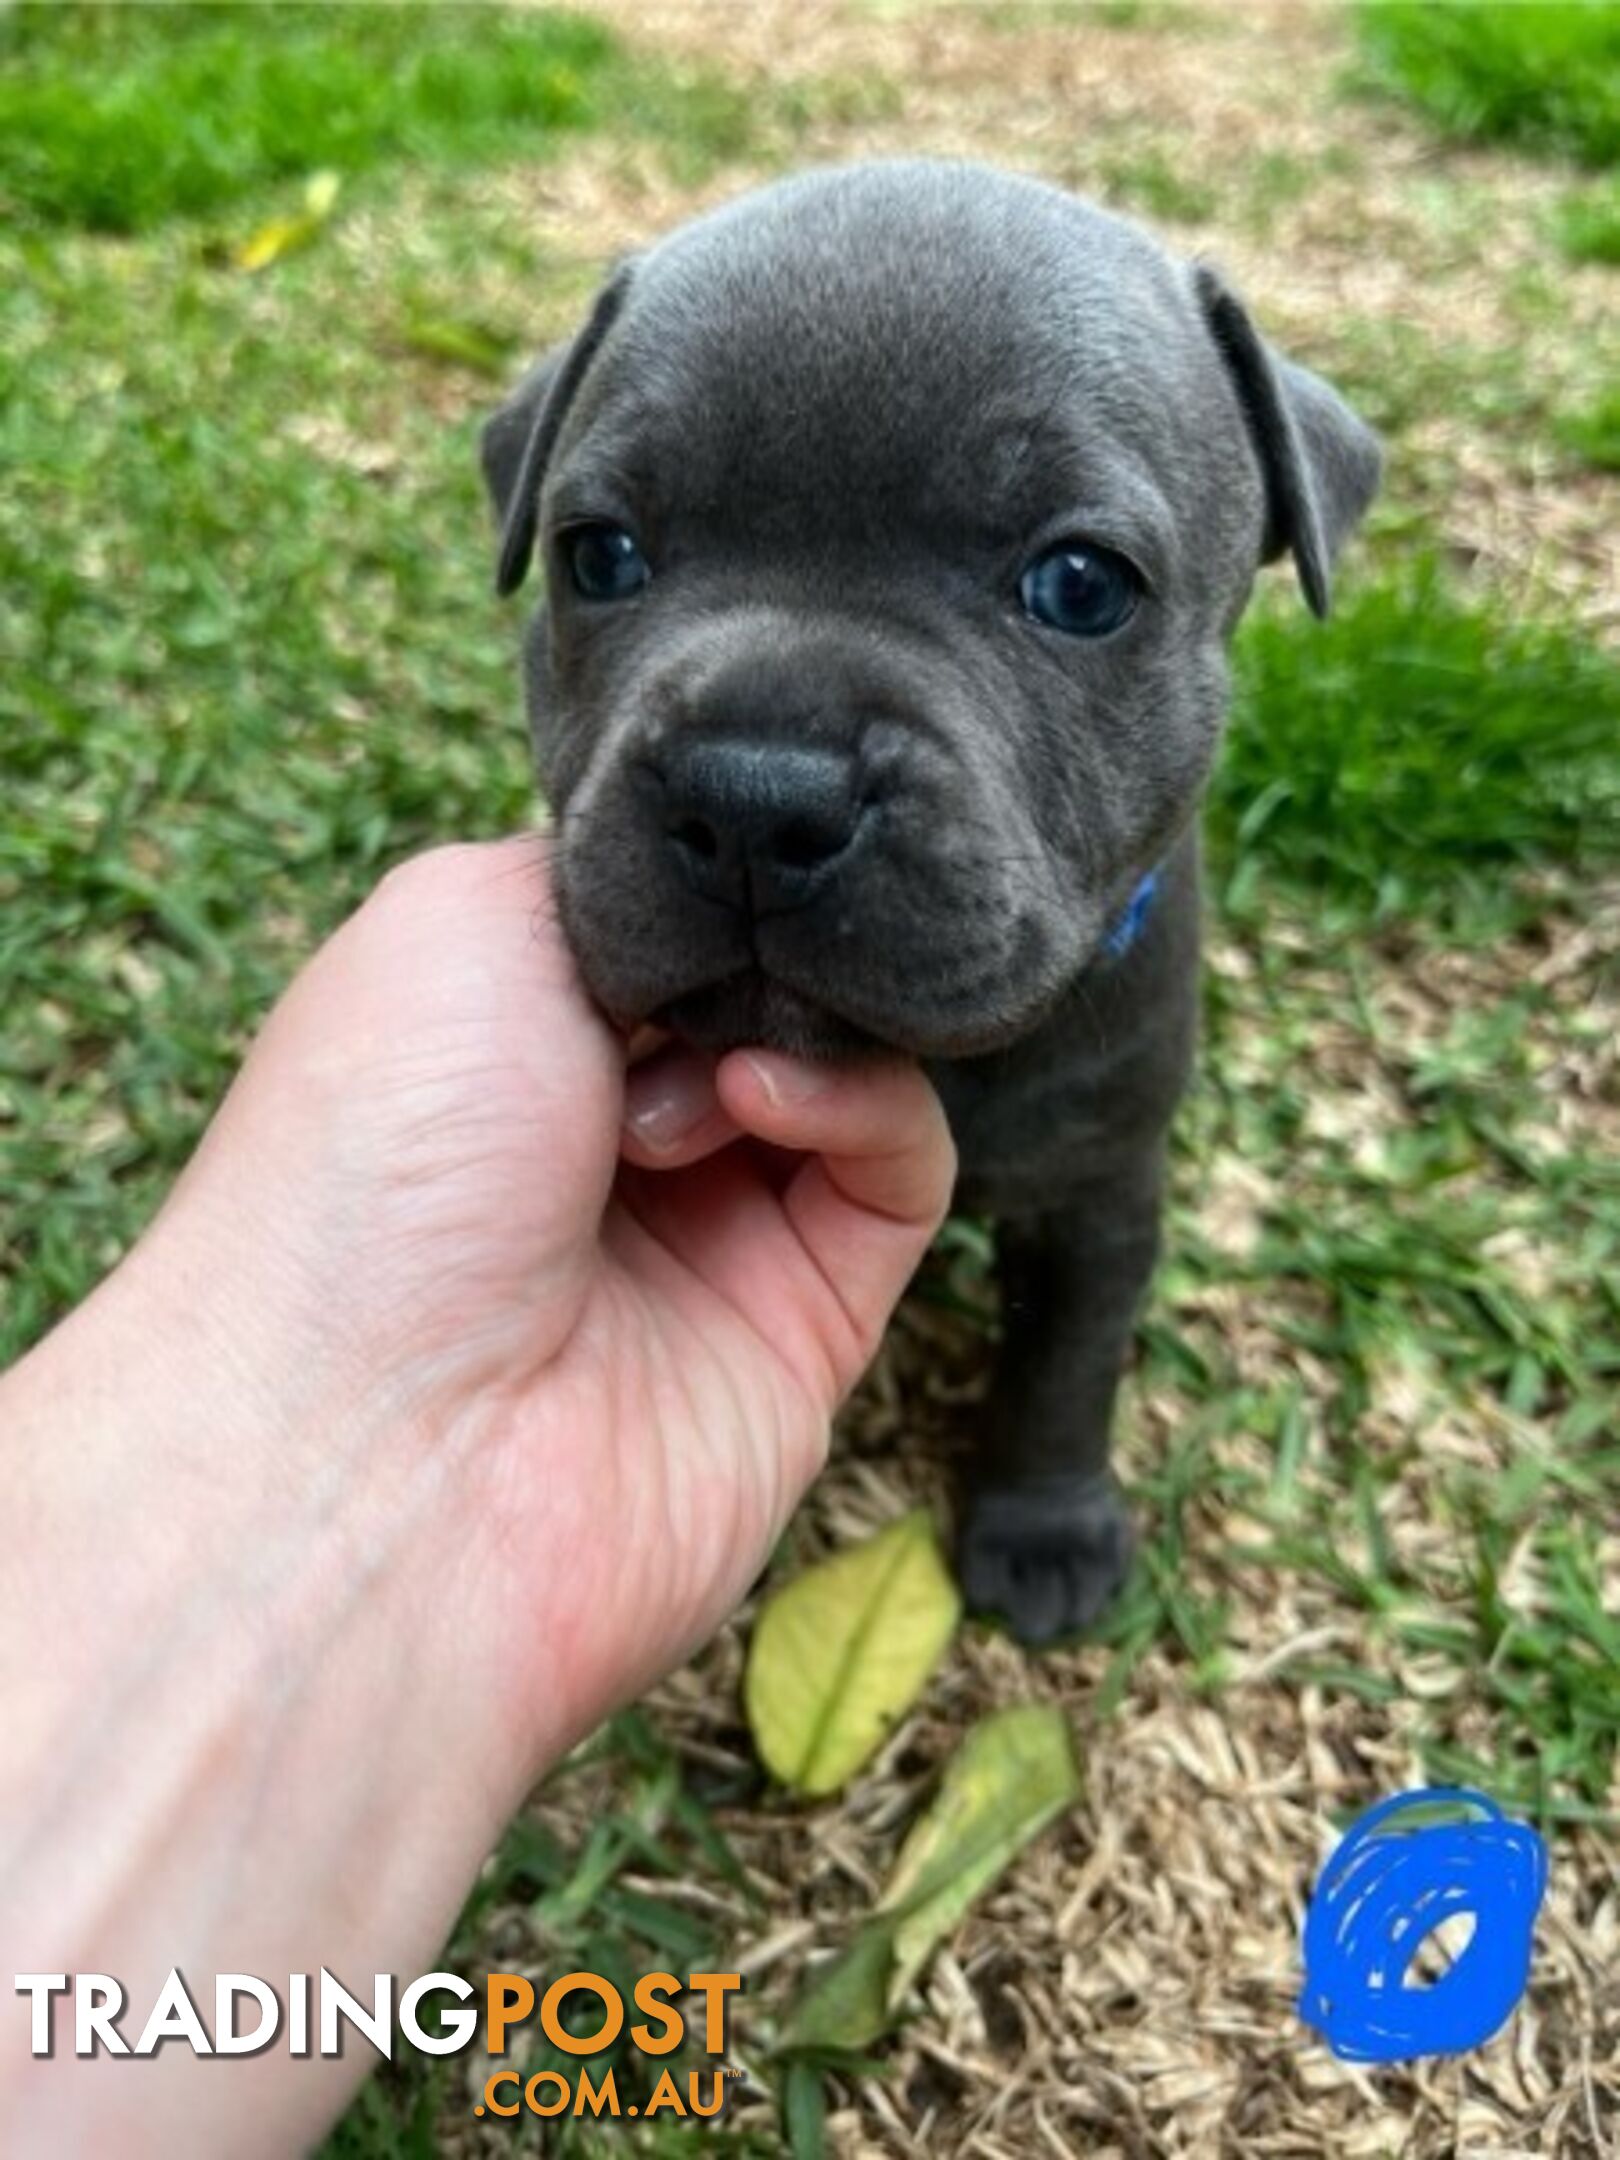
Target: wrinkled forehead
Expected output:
[856,375]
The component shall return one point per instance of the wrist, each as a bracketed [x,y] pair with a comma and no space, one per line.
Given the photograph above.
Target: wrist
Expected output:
[253,1703]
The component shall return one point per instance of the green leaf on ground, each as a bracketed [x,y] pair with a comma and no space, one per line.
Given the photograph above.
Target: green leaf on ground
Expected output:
[1013,1776]
[472,345]
[843,1651]
[845,2002]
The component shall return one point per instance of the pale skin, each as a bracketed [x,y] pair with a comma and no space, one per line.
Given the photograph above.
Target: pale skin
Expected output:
[459,1390]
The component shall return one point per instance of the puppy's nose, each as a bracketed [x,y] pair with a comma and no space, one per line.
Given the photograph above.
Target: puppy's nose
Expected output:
[758,825]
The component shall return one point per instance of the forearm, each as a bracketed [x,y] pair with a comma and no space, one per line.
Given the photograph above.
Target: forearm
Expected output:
[249,1745]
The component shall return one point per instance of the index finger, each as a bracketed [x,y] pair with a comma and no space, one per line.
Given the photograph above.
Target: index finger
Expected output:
[876,1185]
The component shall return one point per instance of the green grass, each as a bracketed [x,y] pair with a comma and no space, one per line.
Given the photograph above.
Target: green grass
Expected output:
[1545,76]
[1393,1243]
[1593,433]
[1015,15]
[1275,180]
[1152,182]
[116,118]
[1409,756]
[252,658]
[1588,224]
[1396,374]
[263,668]
[229,698]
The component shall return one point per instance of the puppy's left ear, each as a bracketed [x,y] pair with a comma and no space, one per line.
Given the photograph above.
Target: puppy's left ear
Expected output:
[518,440]
[1320,464]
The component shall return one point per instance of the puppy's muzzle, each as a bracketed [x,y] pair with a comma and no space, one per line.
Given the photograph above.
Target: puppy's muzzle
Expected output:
[762,827]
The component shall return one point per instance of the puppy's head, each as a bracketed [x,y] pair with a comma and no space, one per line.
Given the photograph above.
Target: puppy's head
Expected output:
[893,523]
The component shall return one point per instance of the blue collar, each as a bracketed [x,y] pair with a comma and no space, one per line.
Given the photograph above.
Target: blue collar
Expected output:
[1128,925]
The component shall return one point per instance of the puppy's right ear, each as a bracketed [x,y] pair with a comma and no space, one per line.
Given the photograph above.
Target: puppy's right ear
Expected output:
[518,440]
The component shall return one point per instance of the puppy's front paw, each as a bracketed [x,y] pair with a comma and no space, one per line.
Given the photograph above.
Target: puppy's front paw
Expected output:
[1047,1556]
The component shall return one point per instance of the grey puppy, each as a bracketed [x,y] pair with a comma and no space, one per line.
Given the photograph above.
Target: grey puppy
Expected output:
[894,522]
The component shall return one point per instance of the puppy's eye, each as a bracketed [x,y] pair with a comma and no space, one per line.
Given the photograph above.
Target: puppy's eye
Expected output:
[1087,591]
[603,561]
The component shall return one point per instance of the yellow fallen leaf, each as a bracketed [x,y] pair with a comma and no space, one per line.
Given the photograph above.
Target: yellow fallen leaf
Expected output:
[844,1649]
[285,235]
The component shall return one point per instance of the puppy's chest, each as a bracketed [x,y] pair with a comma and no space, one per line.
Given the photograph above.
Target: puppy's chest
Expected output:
[1083,1102]
[1024,1141]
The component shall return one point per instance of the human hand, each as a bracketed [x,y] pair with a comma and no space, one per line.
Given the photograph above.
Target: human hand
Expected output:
[613,1377]
[420,1429]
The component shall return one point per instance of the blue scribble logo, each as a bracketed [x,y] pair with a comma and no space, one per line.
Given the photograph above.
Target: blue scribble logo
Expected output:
[1386,1888]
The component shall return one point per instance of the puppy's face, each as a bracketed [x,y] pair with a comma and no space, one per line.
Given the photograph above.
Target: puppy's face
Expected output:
[893,524]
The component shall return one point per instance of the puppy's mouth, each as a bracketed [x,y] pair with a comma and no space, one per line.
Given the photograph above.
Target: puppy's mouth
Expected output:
[756,1008]
[720,983]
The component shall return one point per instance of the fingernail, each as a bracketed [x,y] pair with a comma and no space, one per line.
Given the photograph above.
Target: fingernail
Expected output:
[786,1080]
[662,1107]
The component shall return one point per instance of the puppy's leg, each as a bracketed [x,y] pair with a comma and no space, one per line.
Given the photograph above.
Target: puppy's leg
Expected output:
[1045,1539]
